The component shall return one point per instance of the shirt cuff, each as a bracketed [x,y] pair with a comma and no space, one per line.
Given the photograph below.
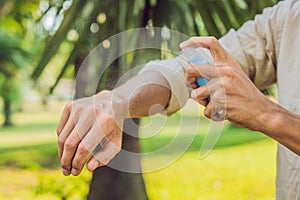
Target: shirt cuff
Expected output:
[173,70]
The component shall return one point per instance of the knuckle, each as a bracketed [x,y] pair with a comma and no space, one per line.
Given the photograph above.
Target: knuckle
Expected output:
[97,111]
[83,148]
[194,38]
[69,105]
[206,113]
[58,131]
[78,110]
[189,69]
[64,164]
[76,164]
[213,40]
[60,141]
[70,143]
[228,72]
[219,100]
[108,119]
[199,98]
[227,85]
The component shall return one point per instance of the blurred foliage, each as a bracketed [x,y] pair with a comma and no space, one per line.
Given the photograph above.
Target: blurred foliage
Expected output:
[67,30]
[87,23]
[11,63]
[16,37]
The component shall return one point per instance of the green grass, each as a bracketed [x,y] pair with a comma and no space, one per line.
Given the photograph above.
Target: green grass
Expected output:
[234,173]
[241,166]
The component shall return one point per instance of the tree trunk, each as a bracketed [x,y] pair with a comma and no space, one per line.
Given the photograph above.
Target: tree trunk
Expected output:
[111,184]
[7,112]
[108,183]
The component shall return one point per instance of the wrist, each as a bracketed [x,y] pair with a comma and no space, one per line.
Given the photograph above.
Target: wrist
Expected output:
[272,120]
[120,104]
[113,103]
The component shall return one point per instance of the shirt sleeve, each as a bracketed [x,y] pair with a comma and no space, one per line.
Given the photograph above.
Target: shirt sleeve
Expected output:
[173,70]
[255,45]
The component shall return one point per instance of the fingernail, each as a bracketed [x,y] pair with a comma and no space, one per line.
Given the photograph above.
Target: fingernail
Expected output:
[74,172]
[193,94]
[95,165]
[65,172]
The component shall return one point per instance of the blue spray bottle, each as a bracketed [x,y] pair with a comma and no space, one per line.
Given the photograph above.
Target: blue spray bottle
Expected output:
[197,56]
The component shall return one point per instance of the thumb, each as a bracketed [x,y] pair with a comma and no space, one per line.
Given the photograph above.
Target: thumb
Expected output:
[109,150]
[94,164]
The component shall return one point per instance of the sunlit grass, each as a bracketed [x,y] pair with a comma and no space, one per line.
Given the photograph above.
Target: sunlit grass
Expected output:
[242,166]
[42,184]
[239,172]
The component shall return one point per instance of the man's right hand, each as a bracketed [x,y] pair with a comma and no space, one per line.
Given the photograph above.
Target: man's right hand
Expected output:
[233,95]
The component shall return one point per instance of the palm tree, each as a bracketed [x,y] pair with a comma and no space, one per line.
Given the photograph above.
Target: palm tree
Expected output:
[203,17]
[15,16]
[10,65]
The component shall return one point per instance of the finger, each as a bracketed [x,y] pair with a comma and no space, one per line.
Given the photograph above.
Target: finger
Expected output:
[205,42]
[85,149]
[201,94]
[210,43]
[69,149]
[64,118]
[193,85]
[109,150]
[207,111]
[191,81]
[216,109]
[66,131]
[221,57]
[201,70]
[218,113]
[82,126]
[219,107]
[191,42]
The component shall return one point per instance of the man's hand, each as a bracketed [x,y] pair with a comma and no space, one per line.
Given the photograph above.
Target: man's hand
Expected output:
[232,94]
[87,123]
[98,120]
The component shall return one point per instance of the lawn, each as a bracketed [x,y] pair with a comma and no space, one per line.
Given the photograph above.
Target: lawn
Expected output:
[241,166]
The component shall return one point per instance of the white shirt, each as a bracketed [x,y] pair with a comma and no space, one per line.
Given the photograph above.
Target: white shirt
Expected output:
[268,50]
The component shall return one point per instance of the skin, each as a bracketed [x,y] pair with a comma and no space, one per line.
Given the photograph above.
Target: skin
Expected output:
[234,95]
[87,122]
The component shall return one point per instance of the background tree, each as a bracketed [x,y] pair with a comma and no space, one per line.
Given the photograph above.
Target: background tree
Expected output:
[17,22]
[92,21]
[9,70]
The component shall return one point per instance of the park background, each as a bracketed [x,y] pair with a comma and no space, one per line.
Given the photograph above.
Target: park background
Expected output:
[42,44]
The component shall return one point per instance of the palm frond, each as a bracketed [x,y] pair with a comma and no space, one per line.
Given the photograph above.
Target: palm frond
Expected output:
[54,43]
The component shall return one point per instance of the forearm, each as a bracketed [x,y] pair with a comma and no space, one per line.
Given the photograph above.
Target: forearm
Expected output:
[282,126]
[146,94]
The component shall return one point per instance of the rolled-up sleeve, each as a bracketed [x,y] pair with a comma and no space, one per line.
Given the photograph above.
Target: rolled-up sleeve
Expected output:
[255,45]
[173,70]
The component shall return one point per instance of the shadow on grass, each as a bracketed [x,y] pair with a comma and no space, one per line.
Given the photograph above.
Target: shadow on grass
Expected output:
[44,155]
[30,156]
[25,128]
[231,136]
